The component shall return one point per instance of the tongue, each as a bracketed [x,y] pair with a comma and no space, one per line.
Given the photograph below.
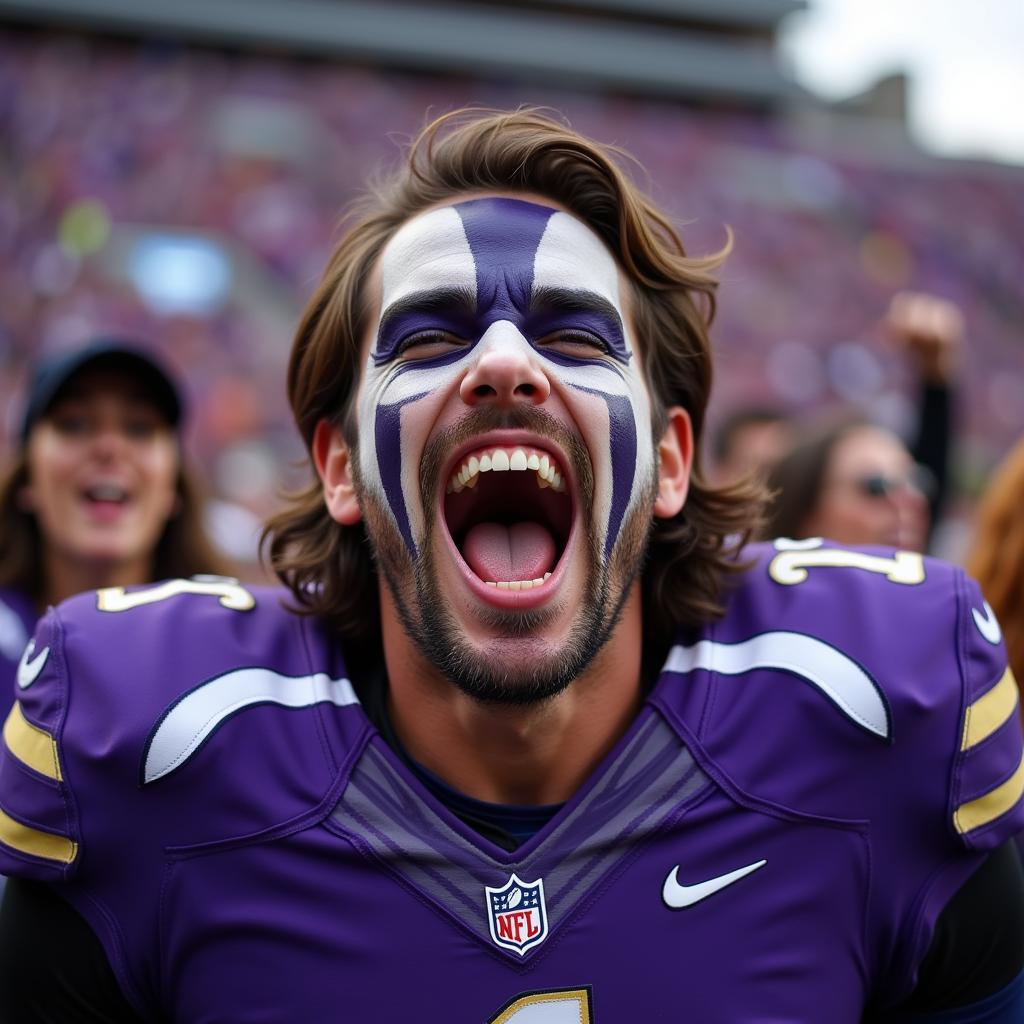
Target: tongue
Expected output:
[522,551]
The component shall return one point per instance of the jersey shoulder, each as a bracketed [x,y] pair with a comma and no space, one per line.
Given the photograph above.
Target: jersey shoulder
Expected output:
[188,712]
[843,679]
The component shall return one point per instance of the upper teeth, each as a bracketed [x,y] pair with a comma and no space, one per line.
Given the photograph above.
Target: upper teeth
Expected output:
[502,460]
[107,492]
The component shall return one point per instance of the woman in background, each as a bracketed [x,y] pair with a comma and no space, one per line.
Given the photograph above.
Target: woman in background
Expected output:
[98,494]
[852,482]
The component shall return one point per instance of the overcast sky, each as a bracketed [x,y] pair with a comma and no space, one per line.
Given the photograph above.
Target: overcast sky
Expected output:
[965,59]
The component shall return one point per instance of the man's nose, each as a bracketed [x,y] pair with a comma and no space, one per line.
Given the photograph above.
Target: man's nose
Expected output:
[506,371]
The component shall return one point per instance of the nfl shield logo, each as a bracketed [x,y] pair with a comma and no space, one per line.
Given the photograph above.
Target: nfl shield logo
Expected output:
[517,915]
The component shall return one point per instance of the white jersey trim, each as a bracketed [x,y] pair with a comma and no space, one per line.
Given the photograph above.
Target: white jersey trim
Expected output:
[837,676]
[190,722]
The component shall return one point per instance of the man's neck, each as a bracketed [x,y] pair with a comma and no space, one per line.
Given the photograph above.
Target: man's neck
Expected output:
[538,754]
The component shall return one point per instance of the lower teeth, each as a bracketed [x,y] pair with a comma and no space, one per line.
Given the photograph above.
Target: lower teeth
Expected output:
[518,584]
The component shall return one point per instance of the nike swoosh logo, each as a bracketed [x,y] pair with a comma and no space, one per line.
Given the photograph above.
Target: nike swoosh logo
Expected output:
[678,896]
[987,624]
[29,667]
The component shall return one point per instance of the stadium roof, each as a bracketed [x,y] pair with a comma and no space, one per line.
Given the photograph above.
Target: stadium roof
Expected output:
[699,50]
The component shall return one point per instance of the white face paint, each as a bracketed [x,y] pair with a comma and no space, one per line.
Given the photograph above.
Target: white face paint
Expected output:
[571,256]
[429,255]
[502,276]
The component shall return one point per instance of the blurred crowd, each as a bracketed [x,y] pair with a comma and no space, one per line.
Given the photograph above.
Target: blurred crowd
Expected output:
[188,198]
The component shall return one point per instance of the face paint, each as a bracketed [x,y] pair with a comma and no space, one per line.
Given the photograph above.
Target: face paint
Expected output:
[505,275]
[572,257]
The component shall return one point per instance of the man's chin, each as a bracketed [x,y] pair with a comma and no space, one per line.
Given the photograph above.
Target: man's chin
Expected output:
[513,672]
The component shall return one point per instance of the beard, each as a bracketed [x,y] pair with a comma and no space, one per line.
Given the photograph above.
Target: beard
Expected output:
[505,671]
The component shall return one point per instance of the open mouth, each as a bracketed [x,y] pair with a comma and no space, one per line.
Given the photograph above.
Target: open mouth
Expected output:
[509,513]
[105,494]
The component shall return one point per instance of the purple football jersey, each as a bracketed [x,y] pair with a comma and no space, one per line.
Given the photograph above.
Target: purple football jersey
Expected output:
[809,781]
[17,620]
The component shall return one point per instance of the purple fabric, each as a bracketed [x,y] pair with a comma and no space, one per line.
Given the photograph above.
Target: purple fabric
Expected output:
[292,868]
[779,738]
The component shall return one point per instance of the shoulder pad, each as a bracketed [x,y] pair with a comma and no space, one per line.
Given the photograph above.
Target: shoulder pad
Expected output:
[843,681]
[191,711]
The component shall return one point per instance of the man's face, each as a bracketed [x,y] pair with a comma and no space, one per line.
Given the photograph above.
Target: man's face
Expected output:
[506,469]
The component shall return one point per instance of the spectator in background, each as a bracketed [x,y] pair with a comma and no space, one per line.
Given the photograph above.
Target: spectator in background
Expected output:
[750,440]
[852,482]
[997,557]
[98,494]
[931,331]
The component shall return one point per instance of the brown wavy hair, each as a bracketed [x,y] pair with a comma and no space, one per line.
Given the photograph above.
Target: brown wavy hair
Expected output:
[996,559]
[184,549]
[328,567]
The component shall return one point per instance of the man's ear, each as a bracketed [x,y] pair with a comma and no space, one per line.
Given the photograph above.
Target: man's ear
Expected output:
[675,457]
[333,462]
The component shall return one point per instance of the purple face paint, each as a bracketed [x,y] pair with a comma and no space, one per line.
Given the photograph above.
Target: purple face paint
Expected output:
[503,235]
[388,433]
[624,461]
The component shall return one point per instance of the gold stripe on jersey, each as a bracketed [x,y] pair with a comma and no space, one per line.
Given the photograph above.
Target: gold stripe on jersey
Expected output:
[998,801]
[990,711]
[40,844]
[31,745]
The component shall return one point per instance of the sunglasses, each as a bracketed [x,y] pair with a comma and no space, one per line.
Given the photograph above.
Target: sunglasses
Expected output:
[881,485]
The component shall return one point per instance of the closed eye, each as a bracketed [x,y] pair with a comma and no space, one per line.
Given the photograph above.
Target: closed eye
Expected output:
[574,343]
[428,344]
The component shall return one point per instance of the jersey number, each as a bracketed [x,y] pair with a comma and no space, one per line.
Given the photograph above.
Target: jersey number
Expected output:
[795,557]
[231,593]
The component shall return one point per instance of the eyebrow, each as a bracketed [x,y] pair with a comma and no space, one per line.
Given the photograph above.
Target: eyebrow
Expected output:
[570,300]
[457,300]
[579,302]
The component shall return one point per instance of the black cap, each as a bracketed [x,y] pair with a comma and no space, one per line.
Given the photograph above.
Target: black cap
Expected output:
[50,375]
